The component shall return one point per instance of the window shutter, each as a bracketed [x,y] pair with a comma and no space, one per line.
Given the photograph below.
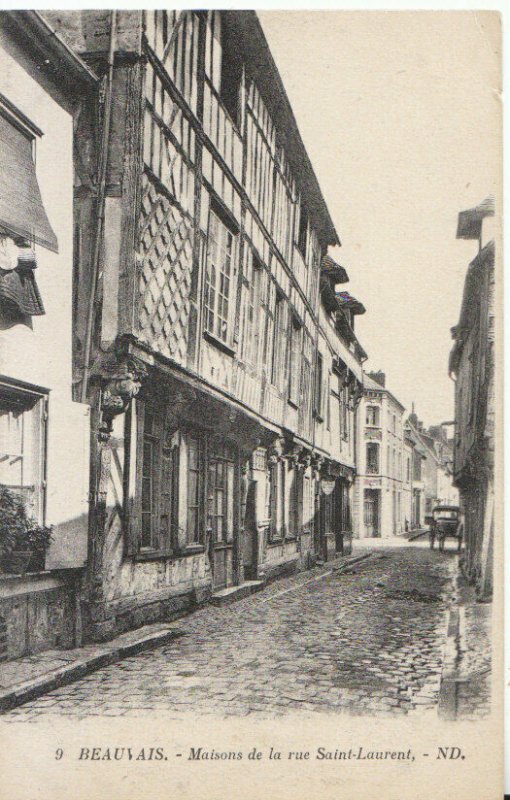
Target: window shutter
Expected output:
[22,212]
[133,483]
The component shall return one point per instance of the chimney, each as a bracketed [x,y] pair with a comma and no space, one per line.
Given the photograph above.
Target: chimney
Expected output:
[379,377]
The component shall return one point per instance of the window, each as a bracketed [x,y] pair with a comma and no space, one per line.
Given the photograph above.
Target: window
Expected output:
[372,416]
[417,467]
[231,70]
[223,62]
[221,268]
[253,277]
[372,458]
[194,490]
[157,479]
[278,368]
[294,360]
[318,386]
[345,413]
[294,502]
[22,445]
[276,492]
[302,233]
[220,494]
[328,402]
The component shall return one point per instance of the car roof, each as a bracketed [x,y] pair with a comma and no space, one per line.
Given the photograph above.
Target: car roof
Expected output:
[446,508]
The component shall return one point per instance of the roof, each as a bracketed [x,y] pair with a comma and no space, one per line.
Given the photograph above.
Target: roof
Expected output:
[470,221]
[346,300]
[371,385]
[56,59]
[470,305]
[332,270]
[253,44]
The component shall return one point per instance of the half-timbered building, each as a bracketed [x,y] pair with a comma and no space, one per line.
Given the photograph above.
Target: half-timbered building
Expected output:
[220,363]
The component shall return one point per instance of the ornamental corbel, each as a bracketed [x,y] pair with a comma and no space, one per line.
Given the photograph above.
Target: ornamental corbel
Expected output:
[317,462]
[293,455]
[118,390]
[305,458]
[275,451]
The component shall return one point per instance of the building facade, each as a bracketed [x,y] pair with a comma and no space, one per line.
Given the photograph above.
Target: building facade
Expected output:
[220,364]
[382,488]
[472,365]
[41,428]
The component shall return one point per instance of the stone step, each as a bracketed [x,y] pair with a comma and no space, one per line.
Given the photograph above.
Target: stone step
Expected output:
[225,596]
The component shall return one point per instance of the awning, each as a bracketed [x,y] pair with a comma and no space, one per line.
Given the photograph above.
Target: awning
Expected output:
[22,213]
[332,270]
[346,300]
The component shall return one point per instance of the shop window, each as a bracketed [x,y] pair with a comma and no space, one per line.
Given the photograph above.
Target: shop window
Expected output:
[158,462]
[220,278]
[23,413]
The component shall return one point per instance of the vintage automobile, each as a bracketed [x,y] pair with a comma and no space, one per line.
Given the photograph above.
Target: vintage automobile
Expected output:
[445,522]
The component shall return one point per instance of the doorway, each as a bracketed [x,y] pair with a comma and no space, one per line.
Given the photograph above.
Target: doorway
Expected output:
[371,513]
[250,538]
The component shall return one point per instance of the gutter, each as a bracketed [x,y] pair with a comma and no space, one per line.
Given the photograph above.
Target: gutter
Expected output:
[58,57]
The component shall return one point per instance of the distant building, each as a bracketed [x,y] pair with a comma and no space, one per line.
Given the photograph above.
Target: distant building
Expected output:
[472,365]
[433,480]
[382,489]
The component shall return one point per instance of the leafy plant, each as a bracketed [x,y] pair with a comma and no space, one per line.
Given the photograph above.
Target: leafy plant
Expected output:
[19,531]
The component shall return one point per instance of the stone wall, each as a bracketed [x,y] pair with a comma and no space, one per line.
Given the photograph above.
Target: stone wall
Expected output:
[37,613]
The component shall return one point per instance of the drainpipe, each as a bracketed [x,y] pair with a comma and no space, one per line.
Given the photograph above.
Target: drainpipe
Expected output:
[100,206]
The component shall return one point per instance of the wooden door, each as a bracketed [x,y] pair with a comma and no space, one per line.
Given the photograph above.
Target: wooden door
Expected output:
[222,517]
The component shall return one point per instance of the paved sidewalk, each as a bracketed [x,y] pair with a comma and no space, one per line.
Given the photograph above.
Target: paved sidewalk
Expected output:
[466,684]
[27,678]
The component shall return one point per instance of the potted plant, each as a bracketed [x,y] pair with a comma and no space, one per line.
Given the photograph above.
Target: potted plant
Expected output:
[23,542]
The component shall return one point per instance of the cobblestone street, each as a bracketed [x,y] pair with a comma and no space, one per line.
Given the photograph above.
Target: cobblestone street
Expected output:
[368,640]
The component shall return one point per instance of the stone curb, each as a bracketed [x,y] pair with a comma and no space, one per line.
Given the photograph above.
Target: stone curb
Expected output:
[54,679]
[351,561]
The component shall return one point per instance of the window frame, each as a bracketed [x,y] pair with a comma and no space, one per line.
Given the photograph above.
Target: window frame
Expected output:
[373,447]
[318,391]
[37,404]
[295,357]
[161,543]
[215,288]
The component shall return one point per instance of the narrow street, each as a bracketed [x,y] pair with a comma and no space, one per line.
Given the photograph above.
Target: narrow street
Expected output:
[366,641]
